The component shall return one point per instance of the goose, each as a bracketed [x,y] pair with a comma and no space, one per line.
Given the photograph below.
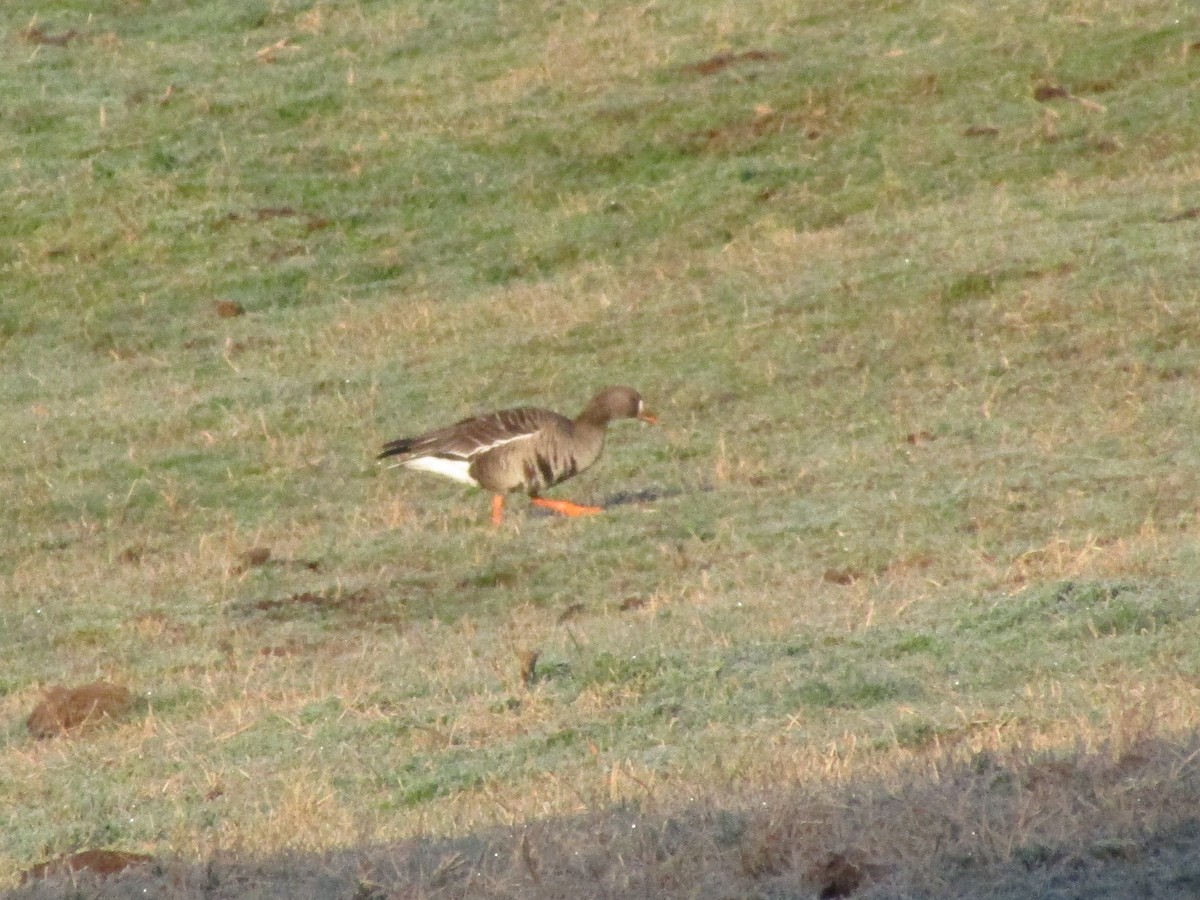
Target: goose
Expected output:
[526,448]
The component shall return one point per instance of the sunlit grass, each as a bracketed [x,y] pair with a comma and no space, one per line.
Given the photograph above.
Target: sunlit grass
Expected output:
[923,347]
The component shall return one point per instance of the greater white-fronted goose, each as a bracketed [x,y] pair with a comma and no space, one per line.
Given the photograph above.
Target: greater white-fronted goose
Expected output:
[525,448]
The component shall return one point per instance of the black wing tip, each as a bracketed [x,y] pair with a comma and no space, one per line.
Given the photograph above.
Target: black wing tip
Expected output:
[395,448]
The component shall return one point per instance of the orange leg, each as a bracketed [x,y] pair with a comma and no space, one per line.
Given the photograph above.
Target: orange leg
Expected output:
[566,507]
[497,509]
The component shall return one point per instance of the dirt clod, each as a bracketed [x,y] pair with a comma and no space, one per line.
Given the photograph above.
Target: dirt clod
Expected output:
[257,556]
[837,875]
[262,556]
[98,862]
[131,555]
[35,35]
[1046,92]
[229,309]
[842,576]
[63,708]
[331,600]
[528,662]
[310,221]
[720,61]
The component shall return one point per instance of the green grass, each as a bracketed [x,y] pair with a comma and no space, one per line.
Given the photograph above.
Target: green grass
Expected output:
[924,349]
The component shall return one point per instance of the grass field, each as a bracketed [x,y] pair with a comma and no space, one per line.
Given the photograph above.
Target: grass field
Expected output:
[905,583]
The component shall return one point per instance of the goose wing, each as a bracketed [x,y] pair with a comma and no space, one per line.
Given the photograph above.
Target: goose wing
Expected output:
[471,437]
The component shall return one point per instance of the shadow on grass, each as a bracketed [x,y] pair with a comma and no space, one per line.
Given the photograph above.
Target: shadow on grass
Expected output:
[1119,822]
[642,497]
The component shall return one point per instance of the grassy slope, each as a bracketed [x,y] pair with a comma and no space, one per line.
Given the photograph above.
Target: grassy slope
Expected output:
[913,379]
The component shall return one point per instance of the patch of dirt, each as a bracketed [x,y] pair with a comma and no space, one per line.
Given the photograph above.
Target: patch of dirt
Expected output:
[1044,93]
[722,61]
[229,309]
[837,876]
[257,556]
[289,648]
[35,35]
[527,661]
[332,599]
[845,576]
[63,709]
[1192,212]
[261,556]
[359,607]
[97,862]
[742,134]
[981,131]
[267,213]
[132,555]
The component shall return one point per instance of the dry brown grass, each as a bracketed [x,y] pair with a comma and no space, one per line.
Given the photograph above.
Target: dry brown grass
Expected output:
[940,821]
[909,594]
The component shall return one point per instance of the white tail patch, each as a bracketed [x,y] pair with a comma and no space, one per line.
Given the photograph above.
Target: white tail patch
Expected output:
[456,469]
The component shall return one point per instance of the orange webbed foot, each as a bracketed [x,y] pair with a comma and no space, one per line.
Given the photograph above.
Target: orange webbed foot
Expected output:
[566,507]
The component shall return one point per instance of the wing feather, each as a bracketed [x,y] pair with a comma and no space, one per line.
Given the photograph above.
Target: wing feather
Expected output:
[469,438]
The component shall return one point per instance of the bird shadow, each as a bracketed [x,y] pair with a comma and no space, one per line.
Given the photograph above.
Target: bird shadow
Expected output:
[642,497]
